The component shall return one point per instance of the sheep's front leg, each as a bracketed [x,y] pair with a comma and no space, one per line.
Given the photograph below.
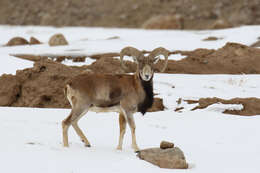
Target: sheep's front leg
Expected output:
[128,109]
[122,126]
[131,122]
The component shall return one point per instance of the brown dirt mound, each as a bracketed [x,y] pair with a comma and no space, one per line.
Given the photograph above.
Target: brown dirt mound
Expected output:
[42,86]
[233,58]
[197,14]
[10,89]
[251,106]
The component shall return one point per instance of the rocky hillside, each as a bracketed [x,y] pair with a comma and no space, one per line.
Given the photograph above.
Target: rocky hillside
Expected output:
[182,14]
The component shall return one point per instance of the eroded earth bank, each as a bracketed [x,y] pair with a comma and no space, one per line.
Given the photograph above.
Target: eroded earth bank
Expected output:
[42,85]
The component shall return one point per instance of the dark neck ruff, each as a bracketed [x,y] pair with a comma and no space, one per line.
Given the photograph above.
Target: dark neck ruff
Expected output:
[148,100]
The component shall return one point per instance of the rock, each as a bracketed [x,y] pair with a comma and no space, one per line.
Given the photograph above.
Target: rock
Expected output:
[165,145]
[112,38]
[178,109]
[220,24]
[58,40]
[164,22]
[34,40]
[16,41]
[157,105]
[211,39]
[172,158]
[10,89]
[256,44]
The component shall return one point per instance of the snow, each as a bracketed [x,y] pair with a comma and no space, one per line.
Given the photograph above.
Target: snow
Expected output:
[31,139]
[86,41]
[212,142]
[175,86]
[126,58]
[69,62]
[176,57]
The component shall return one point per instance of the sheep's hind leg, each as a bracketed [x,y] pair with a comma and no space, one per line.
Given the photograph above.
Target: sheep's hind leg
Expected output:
[78,130]
[65,127]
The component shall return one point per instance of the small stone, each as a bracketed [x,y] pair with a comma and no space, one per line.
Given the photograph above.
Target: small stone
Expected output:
[112,38]
[165,145]
[178,109]
[179,101]
[34,40]
[210,39]
[58,40]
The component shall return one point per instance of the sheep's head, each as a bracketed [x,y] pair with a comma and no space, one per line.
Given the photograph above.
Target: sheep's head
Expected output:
[145,64]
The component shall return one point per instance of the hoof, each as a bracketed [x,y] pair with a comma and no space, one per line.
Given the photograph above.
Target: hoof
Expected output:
[119,148]
[66,145]
[88,145]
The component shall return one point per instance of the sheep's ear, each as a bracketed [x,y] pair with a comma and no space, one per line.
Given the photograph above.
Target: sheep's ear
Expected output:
[156,59]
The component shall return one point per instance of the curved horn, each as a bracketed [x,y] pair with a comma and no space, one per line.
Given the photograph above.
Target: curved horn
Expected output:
[129,51]
[161,51]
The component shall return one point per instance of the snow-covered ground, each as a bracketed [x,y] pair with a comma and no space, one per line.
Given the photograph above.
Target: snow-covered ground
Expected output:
[212,141]
[95,40]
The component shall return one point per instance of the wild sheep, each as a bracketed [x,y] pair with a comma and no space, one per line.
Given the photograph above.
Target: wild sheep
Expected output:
[122,93]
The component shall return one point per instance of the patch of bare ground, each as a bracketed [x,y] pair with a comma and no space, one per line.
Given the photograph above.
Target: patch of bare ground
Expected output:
[251,106]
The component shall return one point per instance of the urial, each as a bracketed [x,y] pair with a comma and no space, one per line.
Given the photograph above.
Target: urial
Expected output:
[122,93]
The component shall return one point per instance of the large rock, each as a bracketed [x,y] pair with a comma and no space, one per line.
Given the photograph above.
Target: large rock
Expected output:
[172,158]
[58,40]
[157,105]
[164,22]
[16,41]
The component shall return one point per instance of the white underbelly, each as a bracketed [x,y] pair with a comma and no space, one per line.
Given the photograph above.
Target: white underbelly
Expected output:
[105,109]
